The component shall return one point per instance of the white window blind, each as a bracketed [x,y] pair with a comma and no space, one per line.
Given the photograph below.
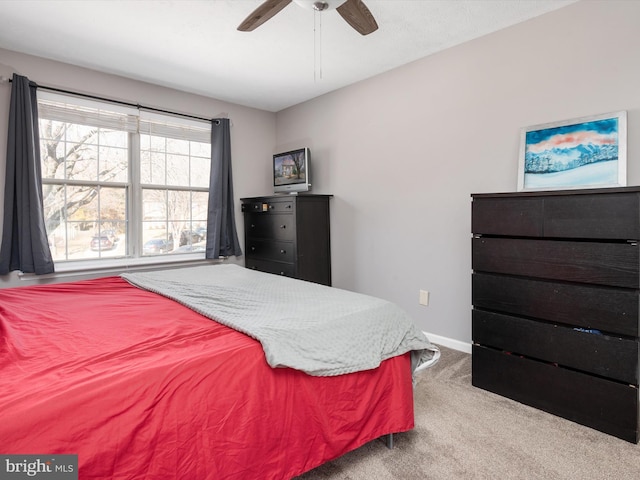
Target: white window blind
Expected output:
[63,108]
[162,125]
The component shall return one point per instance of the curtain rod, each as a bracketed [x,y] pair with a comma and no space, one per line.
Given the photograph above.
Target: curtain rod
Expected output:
[117,102]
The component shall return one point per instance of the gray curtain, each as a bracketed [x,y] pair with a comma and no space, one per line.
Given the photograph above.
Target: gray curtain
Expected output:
[24,237]
[222,238]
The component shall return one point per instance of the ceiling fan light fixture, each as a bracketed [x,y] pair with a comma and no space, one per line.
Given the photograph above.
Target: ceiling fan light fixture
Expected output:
[320,6]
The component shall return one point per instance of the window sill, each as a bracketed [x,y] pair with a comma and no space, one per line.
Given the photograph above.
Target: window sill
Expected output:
[119,265]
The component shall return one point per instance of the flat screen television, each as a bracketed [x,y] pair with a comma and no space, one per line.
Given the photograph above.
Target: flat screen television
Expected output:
[291,171]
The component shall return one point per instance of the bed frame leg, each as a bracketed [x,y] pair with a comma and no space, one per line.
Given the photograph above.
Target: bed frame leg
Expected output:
[388,440]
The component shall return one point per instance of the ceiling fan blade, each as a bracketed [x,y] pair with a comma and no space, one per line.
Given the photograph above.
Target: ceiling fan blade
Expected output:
[358,16]
[261,14]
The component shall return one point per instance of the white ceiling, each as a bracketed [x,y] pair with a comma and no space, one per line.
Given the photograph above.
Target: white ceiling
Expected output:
[193,45]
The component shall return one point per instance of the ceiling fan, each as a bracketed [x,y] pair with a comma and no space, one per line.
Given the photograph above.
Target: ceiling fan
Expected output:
[354,12]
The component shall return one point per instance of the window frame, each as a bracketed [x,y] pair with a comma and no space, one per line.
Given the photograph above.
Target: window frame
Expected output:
[133,188]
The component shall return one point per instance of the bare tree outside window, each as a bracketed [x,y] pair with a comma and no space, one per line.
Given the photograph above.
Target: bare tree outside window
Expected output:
[77,163]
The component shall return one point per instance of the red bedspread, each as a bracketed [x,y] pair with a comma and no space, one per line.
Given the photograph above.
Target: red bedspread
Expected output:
[141,387]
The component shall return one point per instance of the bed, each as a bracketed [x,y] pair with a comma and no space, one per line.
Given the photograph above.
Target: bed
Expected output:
[141,386]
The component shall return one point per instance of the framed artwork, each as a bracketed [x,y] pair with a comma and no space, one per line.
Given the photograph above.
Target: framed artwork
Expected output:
[588,152]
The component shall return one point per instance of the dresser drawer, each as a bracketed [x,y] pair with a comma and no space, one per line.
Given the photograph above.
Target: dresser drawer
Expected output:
[612,216]
[278,268]
[267,206]
[604,355]
[604,216]
[277,227]
[521,217]
[270,250]
[605,405]
[607,309]
[614,264]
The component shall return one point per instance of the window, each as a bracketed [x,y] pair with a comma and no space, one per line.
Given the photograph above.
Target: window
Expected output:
[119,182]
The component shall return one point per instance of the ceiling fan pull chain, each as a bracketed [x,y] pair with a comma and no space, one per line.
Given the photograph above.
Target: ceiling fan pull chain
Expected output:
[317,45]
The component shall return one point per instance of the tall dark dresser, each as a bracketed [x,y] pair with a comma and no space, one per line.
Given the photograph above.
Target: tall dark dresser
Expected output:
[289,235]
[555,293]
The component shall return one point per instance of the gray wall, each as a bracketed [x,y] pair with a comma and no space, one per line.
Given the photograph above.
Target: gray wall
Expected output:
[403,151]
[252,131]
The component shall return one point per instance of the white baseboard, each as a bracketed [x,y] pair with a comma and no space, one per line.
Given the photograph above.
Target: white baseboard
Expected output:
[449,342]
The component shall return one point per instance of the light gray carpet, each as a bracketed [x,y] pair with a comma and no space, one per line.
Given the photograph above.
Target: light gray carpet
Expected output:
[463,432]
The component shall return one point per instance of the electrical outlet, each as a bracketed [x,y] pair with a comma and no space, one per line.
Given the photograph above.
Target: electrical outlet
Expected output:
[424,297]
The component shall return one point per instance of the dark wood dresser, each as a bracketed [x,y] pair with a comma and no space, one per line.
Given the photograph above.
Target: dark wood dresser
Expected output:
[555,293]
[289,235]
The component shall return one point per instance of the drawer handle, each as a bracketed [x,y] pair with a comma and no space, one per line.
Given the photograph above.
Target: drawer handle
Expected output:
[253,226]
[253,249]
[270,207]
[283,226]
[283,251]
[288,206]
